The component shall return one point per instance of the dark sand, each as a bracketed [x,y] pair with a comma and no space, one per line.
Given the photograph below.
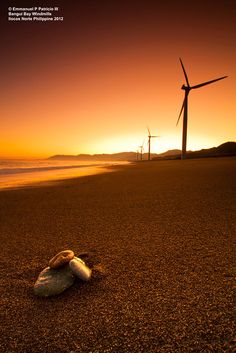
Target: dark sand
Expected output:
[165,233]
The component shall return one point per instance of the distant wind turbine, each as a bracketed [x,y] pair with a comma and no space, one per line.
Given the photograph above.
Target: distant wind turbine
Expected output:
[141,151]
[149,143]
[184,107]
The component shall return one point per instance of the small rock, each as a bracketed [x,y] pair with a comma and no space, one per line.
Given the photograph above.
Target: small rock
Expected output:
[61,258]
[79,269]
[53,281]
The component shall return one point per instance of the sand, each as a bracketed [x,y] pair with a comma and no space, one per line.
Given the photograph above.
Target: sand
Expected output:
[164,233]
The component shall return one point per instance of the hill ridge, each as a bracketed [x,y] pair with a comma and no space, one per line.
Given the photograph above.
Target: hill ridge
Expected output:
[225,149]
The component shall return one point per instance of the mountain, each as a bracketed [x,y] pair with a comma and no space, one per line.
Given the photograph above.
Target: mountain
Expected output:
[169,153]
[225,149]
[123,156]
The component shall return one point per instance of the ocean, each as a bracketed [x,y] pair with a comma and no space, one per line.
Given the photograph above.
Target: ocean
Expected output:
[25,173]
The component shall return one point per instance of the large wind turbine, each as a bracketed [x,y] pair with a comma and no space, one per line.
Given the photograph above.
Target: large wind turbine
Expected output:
[184,107]
[149,143]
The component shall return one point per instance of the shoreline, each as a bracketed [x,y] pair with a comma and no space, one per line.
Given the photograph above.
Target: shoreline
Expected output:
[51,175]
[164,233]
[91,170]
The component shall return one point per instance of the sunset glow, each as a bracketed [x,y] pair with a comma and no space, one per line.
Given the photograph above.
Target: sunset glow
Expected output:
[93,83]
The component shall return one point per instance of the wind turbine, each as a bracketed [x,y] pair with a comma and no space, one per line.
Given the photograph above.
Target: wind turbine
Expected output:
[184,107]
[149,143]
[141,151]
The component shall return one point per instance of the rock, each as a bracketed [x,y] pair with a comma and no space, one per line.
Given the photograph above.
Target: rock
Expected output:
[53,281]
[79,269]
[61,258]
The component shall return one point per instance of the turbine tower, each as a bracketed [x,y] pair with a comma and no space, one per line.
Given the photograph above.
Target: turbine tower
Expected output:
[184,107]
[149,143]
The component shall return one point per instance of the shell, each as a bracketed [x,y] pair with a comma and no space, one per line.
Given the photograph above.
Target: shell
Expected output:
[79,269]
[53,282]
[61,259]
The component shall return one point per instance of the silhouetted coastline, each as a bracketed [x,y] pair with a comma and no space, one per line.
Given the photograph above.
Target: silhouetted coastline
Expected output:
[225,149]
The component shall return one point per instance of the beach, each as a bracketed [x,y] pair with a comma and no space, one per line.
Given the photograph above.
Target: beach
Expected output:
[164,235]
[23,173]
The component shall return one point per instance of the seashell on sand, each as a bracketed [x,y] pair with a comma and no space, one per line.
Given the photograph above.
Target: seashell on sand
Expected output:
[61,259]
[79,269]
[53,281]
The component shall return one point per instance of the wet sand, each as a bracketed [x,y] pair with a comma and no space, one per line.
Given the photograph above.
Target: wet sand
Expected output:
[164,233]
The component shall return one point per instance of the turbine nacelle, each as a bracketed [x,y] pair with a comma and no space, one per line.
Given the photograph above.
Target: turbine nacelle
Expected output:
[186,88]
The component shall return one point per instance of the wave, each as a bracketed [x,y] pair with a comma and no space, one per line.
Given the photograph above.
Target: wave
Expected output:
[6,171]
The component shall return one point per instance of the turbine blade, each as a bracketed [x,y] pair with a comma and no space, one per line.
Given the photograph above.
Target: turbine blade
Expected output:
[148,131]
[185,74]
[208,82]
[181,111]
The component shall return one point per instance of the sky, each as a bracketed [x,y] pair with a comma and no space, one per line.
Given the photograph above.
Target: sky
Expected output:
[93,82]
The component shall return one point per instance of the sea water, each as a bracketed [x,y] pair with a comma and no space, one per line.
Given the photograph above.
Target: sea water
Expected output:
[24,173]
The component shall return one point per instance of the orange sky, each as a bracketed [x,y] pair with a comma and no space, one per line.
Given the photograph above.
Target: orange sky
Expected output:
[94,82]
